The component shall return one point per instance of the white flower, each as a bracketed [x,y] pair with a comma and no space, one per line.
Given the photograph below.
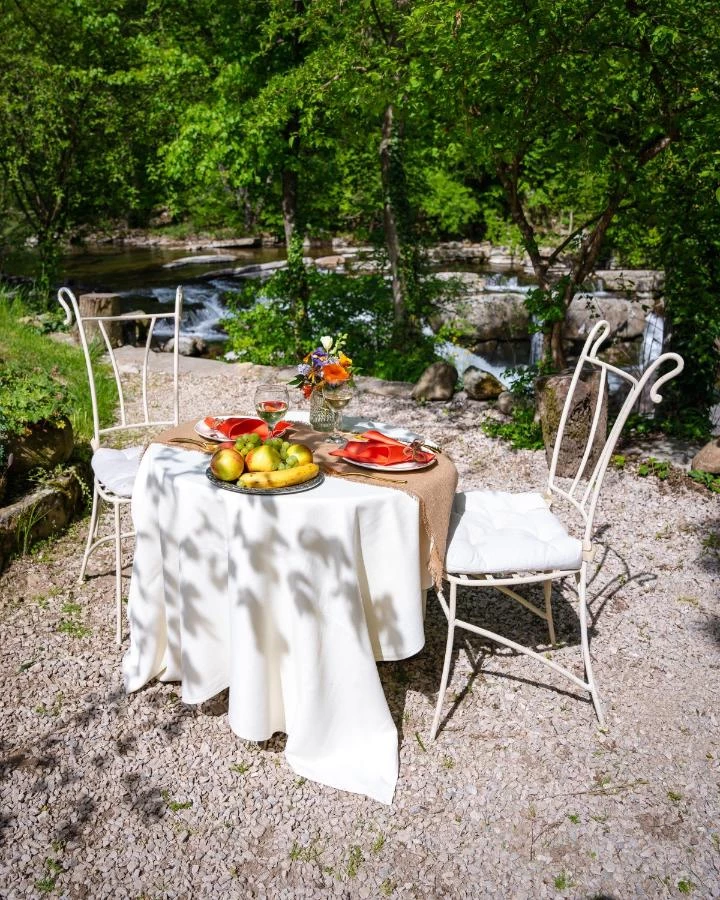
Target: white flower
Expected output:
[327,342]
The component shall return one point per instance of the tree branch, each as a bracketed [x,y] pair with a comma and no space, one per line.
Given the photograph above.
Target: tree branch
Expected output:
[508,176]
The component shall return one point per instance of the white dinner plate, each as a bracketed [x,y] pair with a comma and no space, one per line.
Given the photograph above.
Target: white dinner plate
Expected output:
[410,466]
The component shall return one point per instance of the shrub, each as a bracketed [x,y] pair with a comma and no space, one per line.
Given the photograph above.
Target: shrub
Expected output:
[265,328]
[30,394]
[41,378]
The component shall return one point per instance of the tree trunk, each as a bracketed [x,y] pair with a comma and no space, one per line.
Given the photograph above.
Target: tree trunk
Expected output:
[289,203]
[392,234]
[290,177]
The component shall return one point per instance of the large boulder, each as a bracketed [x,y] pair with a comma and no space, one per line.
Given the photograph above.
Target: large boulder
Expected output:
[642,281]
[481,385]
[625,317]
[707,459]
[44,445]
[187,346]
[329,262]
[505,403]
[552,391]
[489,316]
[437,382]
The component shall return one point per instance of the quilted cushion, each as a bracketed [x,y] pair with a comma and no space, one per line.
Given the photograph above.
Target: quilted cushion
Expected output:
[116,469]
[493,532]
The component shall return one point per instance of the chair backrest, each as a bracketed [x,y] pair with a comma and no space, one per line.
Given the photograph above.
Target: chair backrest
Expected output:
[585,488]
[146,419]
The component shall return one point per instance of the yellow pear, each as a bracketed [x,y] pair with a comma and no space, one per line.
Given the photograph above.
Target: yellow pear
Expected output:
[262,459]
[302,453]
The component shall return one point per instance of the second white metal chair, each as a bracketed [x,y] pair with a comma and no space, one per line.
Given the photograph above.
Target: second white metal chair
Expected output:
[114,469]
[503,540]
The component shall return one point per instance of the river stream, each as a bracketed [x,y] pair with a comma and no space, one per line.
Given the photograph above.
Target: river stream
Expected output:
[146,278]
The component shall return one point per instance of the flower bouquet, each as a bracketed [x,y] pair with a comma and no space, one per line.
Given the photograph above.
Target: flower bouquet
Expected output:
[326,364]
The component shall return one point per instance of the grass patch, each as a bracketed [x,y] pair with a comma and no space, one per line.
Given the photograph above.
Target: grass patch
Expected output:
[711,482]
[652,466]
[21,344]
[522,432]
[175,805]
[355,860]
[70,623]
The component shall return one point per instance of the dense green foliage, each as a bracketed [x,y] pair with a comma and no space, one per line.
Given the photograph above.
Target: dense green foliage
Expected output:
[361,307]
[577,130]
[42,379]
[29,394]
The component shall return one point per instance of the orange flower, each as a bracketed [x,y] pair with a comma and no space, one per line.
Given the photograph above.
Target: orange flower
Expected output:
[334,373]
[344,361]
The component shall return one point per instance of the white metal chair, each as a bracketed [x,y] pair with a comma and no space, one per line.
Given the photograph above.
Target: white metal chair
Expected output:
[114,470]
[502,540]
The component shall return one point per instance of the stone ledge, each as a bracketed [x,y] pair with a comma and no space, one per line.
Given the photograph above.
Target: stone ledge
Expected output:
[43,512]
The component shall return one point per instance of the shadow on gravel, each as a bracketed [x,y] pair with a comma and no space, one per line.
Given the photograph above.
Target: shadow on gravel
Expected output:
[422,672]
[712,627]
[46,755]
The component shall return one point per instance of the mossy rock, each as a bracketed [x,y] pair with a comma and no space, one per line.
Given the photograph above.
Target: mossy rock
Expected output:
[43,445]
[45,511]
[552,391]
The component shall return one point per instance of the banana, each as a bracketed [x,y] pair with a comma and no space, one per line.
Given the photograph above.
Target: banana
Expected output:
[280,477]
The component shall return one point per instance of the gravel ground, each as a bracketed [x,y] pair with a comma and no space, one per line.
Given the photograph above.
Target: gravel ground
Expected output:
[104,795]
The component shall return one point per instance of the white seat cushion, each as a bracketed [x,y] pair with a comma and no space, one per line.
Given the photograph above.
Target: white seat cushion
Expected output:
[493,532]
[116,469]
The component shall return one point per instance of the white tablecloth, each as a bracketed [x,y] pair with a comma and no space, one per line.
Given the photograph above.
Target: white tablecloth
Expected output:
[286,600]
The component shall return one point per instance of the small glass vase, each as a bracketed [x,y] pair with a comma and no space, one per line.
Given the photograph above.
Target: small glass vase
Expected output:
[322,416]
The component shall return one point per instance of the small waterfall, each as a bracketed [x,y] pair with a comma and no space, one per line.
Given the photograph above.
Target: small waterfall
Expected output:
[462,358]
[537,339]
[203,309]
[650,348]
[652,339]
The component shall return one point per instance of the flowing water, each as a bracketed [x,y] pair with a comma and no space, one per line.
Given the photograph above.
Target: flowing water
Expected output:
[146,278]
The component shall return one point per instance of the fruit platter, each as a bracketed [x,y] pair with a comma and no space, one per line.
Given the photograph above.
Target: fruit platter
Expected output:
[255,465]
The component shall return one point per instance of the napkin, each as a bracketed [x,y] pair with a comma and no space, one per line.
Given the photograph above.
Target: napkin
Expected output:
[234,426]
[382,450]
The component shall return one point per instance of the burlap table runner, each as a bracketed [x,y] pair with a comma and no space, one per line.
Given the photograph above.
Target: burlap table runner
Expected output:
[433,487]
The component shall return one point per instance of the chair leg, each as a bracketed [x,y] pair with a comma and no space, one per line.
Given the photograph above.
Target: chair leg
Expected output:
[446,664]
[118,577]
[547,589]
[582,610]
[92,534]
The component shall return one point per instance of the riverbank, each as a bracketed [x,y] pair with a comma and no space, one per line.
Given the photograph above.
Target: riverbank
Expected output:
[105,795]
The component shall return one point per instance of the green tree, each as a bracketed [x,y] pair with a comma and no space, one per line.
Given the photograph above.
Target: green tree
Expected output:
[73,115]
[570,105]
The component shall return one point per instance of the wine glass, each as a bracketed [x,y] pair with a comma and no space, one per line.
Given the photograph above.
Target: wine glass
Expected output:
[271,402]
[337,395]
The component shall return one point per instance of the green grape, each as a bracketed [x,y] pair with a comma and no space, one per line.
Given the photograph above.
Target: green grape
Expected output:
[292,461]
